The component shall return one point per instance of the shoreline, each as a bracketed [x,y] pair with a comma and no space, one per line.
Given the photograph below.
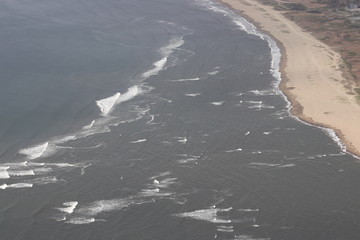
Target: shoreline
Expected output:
[319,94]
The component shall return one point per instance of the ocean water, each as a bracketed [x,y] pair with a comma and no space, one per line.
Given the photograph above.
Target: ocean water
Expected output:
[158,120]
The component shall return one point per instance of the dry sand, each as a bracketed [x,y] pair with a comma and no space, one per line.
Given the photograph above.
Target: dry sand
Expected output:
[312,78]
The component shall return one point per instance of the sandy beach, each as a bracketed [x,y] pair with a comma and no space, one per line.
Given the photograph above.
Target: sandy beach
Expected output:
[312,76]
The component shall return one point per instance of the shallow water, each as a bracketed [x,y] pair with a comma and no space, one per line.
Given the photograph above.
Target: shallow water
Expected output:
[158,120]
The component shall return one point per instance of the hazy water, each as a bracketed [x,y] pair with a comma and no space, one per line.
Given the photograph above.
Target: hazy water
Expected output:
[158,120]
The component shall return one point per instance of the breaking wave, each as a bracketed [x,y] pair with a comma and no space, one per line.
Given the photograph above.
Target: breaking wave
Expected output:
[106,104]
[35,151]
[165,52]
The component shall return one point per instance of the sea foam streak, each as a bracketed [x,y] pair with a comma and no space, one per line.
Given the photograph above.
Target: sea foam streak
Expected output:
[209,215]
[16,185]
[246,237]
[68,207]
[158,66]
[3,173]
[139,141]
[35,151]
[217,103]
[185,79]
[192,94]
[89,125]
[225,229]
[106,104]
[44,180]
[104,206]
[165,52]
[131,93]
[234,150]
[17,173]
[86,214]
[80,220]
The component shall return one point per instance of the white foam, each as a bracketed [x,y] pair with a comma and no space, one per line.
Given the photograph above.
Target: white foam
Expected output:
[218,103]
[173,44]
[62,165]
[267,92]
[267,106]
[192,94]
[165,183]
[185,79]
[151,191]
[14,164]
[248,210]
[273,165]
[34,164]
[3,172]
[209,215]
[235,150]
[89,125]
[186,158]
[225,228]
[258,105]
[20,185]
[16,185]
[106,104]
[331,133]
[80,220]
[337,154]
[44,180]
[287,165]
[129,94]
[155,194]
[213,73]
[165,52]
[16,173]
[163,174]
[97,207]
[152,117]
[256,152]
[59,218]
[246,237]
[35,151]
[158,66]
[68,207]
[63,139]
[266,164]
[139,141]
[182,139]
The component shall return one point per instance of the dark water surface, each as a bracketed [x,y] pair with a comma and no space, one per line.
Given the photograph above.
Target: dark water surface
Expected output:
[158,120]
